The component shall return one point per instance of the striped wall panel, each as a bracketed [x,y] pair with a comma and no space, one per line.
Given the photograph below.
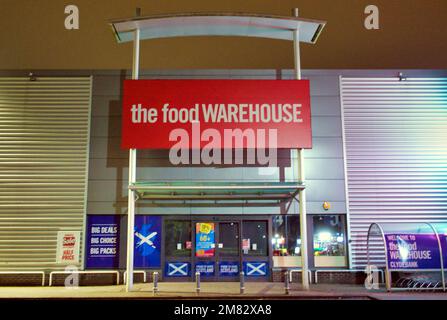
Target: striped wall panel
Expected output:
[44,140]
[395,139]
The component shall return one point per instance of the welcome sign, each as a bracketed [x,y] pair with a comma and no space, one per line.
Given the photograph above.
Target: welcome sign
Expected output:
[218,114]
[412,251]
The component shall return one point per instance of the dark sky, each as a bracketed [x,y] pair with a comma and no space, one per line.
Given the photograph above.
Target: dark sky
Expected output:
[412,35]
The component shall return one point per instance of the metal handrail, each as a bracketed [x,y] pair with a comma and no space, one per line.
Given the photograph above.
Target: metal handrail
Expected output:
[299,271]
[42,273]
[344,270]
[134,272]
[84,272]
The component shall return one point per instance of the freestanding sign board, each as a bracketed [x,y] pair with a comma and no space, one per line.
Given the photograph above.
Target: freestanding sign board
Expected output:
[68,247]
[412,251]
[256,114]
[156,113]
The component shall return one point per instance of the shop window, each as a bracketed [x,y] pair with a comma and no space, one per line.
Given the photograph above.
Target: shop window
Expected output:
[178,238]
[286,239]
[254,238]
[329,241]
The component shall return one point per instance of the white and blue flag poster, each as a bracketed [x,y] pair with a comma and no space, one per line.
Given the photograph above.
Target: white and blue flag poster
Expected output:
[256,269]
[147,241]
[103,241]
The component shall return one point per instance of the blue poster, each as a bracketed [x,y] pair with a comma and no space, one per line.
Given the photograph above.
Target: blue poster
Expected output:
[147,242]
[229,269]
[103,241]
[206,268]
[178,269]
[256,269]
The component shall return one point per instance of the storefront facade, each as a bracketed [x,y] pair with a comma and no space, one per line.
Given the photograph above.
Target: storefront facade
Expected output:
[251,236]
[281,241]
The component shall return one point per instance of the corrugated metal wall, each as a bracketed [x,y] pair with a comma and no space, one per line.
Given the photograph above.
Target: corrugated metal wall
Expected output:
[395,135]
[44,135]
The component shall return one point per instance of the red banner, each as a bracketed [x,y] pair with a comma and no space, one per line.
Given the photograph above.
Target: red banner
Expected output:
[158,114]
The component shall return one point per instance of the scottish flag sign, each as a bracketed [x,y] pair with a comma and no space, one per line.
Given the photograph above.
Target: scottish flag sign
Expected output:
[178,269]
[147,241]
[255,269]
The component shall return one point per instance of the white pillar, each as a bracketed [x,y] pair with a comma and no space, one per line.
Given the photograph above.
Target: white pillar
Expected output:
[132,179]
[301,175]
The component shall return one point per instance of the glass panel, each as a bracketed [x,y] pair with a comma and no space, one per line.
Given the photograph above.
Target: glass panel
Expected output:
[286,238]
[279,236]
[177,238]
[205,241]
[441,228]
[407,227]
[255,238]
[293,236]
[329,241]
[229,239]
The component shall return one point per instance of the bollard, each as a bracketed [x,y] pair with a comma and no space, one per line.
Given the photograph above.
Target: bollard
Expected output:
[286,282]
[197,282]
[242,282]
[155,279]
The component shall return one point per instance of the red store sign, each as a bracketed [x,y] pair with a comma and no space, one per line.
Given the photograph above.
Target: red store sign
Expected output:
[158,114]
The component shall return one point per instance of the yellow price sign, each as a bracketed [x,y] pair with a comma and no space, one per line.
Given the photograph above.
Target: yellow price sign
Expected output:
[206,228]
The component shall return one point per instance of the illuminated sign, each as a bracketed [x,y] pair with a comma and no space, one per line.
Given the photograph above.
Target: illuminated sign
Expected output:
[218,114]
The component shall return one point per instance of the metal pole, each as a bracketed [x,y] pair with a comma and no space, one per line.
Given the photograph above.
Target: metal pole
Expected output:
[155,279]
[301,175]
[242,282]
[197,282]
[441,258]
[286,282]
[132,178]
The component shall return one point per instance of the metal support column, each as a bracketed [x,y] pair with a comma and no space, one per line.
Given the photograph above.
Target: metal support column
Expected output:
[132,178]
[301,175]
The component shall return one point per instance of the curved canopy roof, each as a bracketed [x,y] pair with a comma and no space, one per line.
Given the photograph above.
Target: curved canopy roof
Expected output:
[217,24]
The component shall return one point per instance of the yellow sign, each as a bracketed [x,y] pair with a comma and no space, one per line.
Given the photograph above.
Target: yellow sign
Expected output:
[206,228]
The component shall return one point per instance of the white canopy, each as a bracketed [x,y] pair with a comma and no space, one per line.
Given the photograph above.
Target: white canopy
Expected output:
[217,24]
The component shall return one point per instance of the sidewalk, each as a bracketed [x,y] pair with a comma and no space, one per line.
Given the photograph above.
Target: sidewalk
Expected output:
[209,290]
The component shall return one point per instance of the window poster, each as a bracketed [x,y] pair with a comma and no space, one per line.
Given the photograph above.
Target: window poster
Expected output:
[205,245]
[103,242]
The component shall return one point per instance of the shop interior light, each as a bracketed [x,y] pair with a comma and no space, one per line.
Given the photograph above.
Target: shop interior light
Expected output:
[324,236]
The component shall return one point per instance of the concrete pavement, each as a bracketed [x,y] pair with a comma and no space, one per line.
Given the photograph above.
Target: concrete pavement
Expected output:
[209,290]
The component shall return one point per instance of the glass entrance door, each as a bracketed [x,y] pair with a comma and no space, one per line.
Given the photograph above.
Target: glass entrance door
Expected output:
[228,250]
[217,247]
[217,251]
